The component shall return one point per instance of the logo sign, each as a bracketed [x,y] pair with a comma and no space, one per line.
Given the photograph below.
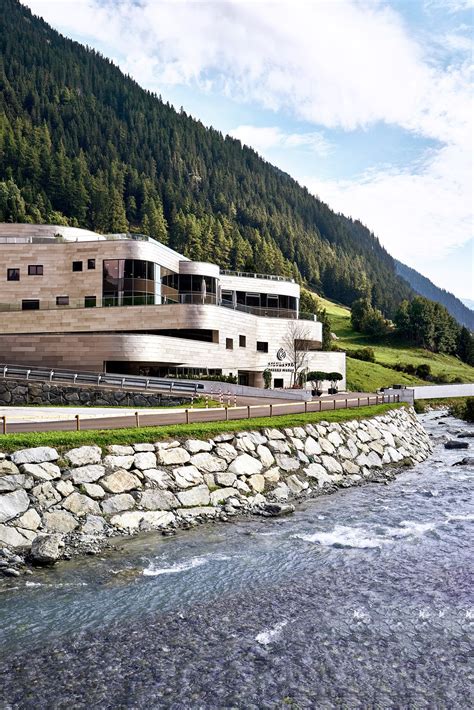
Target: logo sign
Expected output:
[281,354]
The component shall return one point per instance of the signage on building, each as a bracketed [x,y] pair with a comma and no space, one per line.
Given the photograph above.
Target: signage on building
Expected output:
[279,365]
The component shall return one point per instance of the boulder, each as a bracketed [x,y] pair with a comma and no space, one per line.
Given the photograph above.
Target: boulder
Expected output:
[275,510]
[187,476]
[281,492]
[466,461]
[38,454]
[257,482]
[120,481]
[12,483]
[139,448]
[132,521]
[220,438]
[196,496]
[226,451]
[117,450]
[265,456]
[246,444]
[245,465]
[272,475]
[155,477]
[331,465]
[117,503]
[80,504]
[335,439]
[13,537]
[208,463]
[93,490]
[83,456]
[199,512]
[221,495]
[279,446]
[312,447]
[326,446]
[12,504]
[194,446]
[7,468]
[156,519]
[297,443]
[315,470]
[59,521]
[46,495]
[93,525]
[144,460]
[350,467]
[171,457]
[273,434]
[46,549]
[295,485]
[225,479]
[113,463]
[156,499]
[453,444]
[29,520]
[287,463]
[65,488]
[85,474]
[41,471]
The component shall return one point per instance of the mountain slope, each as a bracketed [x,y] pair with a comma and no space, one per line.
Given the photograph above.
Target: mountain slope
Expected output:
[80,143]
[428,289]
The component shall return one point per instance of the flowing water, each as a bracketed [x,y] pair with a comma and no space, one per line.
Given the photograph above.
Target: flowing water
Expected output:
[361,599]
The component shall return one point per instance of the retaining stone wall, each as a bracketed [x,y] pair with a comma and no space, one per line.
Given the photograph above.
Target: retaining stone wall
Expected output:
[55,505]
[21,392]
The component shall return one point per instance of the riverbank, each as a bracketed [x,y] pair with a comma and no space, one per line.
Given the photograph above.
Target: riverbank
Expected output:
[53,505]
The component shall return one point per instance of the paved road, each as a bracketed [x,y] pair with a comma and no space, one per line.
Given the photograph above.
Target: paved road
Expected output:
[116,419]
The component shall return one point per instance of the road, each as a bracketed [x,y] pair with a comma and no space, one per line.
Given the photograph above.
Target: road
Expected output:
[66,420]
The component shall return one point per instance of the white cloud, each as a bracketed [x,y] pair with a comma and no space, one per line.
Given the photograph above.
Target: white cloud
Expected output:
[264,138]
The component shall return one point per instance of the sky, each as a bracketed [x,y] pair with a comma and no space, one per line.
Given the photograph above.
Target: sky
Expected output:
[365,102]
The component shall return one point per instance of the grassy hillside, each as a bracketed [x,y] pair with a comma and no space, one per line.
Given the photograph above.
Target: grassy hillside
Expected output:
[369,376]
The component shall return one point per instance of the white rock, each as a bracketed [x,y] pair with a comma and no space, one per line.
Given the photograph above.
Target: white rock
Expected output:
[314,470]
[223,437]
[85,474]
[242,487]
[245,444]
[265,456]
[194,446]
[287,463]
[46,549]
[113,463]
[144,460]
[221,495]
[120,482]
[331,465]
[225,479]
[93,490]
[80,504]
[117,450]
[171,457]
[38,454]
[272,475]
[208,463]
[93,525]
[273,434]
[200,512]
[279,446]
[350,467]
[334,438]
[12,504]
[326,446]
[156,499]
[83,456]
[59,521]
[297,443]
[302,458]
[245,465]
[281,492]
[226,451]
[117,503]
[139,448]
[162,479]
[295,484]
[257,482]
[199,495]
[15,481]
[65,488]
[162,445]
[141,518]
[312,447]
[209,480]
[187,476]
[8,467]
[153,519]
[14,537]
[42,471]
[29,520]
[46,495]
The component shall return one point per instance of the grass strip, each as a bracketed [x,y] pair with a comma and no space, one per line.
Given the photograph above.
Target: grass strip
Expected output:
[63,440]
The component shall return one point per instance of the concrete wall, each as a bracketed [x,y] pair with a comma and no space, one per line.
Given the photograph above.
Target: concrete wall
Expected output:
[439,391]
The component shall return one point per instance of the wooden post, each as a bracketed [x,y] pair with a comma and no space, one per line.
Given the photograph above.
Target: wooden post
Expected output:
[334,403]
[347,402]
[320,405]
[248,411]
[78,423]
[358,401]
[186,411]
[227,413]
[4,425]
[306,406]
[271,410]
[137,419]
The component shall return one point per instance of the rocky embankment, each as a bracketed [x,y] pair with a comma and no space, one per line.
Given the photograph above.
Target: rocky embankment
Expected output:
[52,506]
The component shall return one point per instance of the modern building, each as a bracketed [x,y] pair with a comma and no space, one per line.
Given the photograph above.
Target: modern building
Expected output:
[74,299]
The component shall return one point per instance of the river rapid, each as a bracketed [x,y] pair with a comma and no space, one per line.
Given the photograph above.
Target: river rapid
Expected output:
[361,599]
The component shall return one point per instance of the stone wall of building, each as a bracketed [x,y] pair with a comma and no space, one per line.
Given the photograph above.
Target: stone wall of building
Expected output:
[21,392]
[54,504]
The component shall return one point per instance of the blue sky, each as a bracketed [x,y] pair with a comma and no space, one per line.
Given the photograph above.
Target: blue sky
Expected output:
[366,102]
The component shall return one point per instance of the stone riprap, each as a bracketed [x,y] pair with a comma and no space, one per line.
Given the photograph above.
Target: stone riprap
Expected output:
[86,495]
[17,392]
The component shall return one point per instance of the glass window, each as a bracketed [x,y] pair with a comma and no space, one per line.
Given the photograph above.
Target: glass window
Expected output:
[91,263]
[62,300]
[77,265]
[30,304]
[262,346]
[35,270]
[13,274]
[90,301]
[229,343]
[242,341]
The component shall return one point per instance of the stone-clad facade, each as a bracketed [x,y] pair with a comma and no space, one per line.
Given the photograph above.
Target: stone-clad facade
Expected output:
[85,495]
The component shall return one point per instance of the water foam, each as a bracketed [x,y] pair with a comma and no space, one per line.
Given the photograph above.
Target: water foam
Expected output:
[178,567]
[272,634]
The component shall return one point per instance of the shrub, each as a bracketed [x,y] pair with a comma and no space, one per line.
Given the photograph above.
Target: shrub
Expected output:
[365,354]
[469,411]
[267,378]
[423,371]
[419,406]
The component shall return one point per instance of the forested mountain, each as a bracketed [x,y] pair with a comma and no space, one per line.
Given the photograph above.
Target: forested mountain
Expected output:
[428,289]
[82,144]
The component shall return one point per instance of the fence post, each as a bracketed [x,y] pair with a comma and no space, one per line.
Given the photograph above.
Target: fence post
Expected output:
[186,411]
[320,405]
[137,419]
[4,425]
[78,423]
[358,401]
[248,411]
[334,403]
[306,406]
[226,413]
[271,410]
[347,402]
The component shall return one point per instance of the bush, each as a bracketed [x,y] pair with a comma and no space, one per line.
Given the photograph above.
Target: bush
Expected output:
[423,371]
[419,406]
[267,378]
[365,354]
[469,411]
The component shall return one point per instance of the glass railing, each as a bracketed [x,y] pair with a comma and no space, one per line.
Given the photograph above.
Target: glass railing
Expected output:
[251,275]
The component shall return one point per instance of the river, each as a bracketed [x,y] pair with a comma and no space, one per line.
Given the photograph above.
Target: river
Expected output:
[361,599]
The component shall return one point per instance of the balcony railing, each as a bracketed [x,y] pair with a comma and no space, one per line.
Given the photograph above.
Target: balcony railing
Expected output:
[250,275]
[197,299]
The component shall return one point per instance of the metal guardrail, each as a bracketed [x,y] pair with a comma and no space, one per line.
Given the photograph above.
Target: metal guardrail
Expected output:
[102,379]
[252,275]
